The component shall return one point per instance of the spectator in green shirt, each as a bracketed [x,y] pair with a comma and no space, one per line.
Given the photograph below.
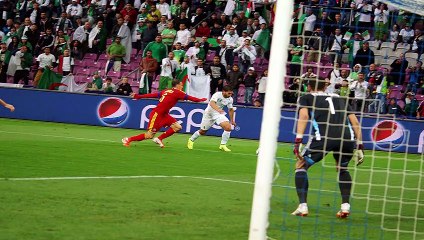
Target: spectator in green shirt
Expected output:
[115,52]
[159,50]
[179,53]
[168,35]
[296,58]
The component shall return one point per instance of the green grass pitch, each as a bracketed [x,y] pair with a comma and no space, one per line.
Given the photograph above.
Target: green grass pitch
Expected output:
[79,182]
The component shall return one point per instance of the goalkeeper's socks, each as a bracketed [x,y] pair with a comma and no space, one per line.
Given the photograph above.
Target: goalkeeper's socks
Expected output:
[345,185]
[225,137]
[195,136]
[302,185]
[166,134]
[140,137]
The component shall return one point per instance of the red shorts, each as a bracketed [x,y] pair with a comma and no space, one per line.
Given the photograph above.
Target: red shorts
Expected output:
[156,121]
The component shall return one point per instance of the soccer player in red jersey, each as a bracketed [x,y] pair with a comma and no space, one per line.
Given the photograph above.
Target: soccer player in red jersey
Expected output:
[159,117]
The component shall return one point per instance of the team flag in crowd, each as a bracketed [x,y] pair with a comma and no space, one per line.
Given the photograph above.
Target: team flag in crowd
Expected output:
[347,36]
[182,76]
[366,35]
[68,84]
[49,79]
[264,39]
[199,86]
[144,84]
[250,9]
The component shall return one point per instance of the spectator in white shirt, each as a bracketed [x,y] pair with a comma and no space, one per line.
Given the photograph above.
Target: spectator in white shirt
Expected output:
[380,22]
[169,67]
[74,10]
[406,34]
[183,35]
[247,55]
[243,37]
[360,91]
[164,8]
[310,21]
[365,11]
[45,59]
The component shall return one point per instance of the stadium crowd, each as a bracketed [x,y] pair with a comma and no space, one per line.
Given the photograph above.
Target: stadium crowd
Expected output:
[366,50]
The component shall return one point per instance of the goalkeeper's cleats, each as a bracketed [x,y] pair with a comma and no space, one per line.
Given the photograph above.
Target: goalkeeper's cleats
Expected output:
[224,148]
[344,211]
[158,142]
[126,142]
[190,144]
[301,211]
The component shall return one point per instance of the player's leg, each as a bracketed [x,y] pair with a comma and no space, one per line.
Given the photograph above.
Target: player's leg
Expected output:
[205,125]
[174,127]
[315,150]
[154,121]
[342,157]
[226,126]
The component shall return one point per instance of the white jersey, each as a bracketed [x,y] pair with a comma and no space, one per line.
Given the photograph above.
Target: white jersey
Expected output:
[221,102]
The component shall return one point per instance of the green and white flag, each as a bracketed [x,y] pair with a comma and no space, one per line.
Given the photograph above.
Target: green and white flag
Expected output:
[144,84]
[366,35]
[347,36]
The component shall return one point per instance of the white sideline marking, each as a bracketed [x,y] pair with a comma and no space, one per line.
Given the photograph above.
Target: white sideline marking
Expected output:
[105,140]
[121,177]
[188,177]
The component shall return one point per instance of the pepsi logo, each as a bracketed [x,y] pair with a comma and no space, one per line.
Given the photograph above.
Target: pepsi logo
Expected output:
[388,135]
[112,111]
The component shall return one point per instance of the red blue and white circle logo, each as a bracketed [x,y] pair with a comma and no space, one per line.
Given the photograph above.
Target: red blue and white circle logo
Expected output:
[112,111]
[388,135]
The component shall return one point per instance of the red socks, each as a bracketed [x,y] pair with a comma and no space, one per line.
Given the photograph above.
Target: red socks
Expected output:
[166,134]
[140,137]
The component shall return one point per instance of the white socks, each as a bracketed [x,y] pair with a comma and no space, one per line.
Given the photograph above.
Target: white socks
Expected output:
[225,137]
[195,136]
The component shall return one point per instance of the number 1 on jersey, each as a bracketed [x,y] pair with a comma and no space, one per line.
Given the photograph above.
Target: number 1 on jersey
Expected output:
[330,102]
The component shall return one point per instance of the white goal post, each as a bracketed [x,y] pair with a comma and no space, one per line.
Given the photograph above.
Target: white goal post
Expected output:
[271,120]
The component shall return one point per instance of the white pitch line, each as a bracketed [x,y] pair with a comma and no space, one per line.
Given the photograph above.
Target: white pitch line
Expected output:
[121,177]
[180,177]
[128,177]
[106,140]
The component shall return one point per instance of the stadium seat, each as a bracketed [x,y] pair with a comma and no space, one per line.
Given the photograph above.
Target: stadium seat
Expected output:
[90,56]
[401,104]
[114,75]
[419,97]
[411,55]
[387,45]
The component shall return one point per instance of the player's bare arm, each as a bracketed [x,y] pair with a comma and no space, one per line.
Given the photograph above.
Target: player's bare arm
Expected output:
[231,113]
[302,122]
[301,127]
[6,105]
[215,107]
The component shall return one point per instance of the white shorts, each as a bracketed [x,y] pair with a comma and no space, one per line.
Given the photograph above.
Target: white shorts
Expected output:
[209,120]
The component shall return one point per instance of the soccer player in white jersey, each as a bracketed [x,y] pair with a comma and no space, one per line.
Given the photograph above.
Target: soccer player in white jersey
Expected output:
[214,113]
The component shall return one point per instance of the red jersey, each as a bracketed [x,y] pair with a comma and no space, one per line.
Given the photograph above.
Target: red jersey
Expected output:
[168,98]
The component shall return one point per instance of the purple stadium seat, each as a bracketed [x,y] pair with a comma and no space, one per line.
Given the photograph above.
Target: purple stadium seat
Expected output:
[93,65]
[394,94]
[401,104]
[114,75]
[419,97]
[89,56]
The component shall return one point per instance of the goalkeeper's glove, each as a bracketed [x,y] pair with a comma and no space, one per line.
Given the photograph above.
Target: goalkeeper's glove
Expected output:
[359,158]
[296,149]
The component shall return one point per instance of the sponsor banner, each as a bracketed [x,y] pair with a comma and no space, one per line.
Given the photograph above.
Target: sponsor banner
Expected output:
[123,112]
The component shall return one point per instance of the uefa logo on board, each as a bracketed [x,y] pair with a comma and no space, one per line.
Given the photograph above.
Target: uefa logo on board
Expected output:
[112,111]
[388,135]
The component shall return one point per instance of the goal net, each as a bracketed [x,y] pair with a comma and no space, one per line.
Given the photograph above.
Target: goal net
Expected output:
[325,42]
